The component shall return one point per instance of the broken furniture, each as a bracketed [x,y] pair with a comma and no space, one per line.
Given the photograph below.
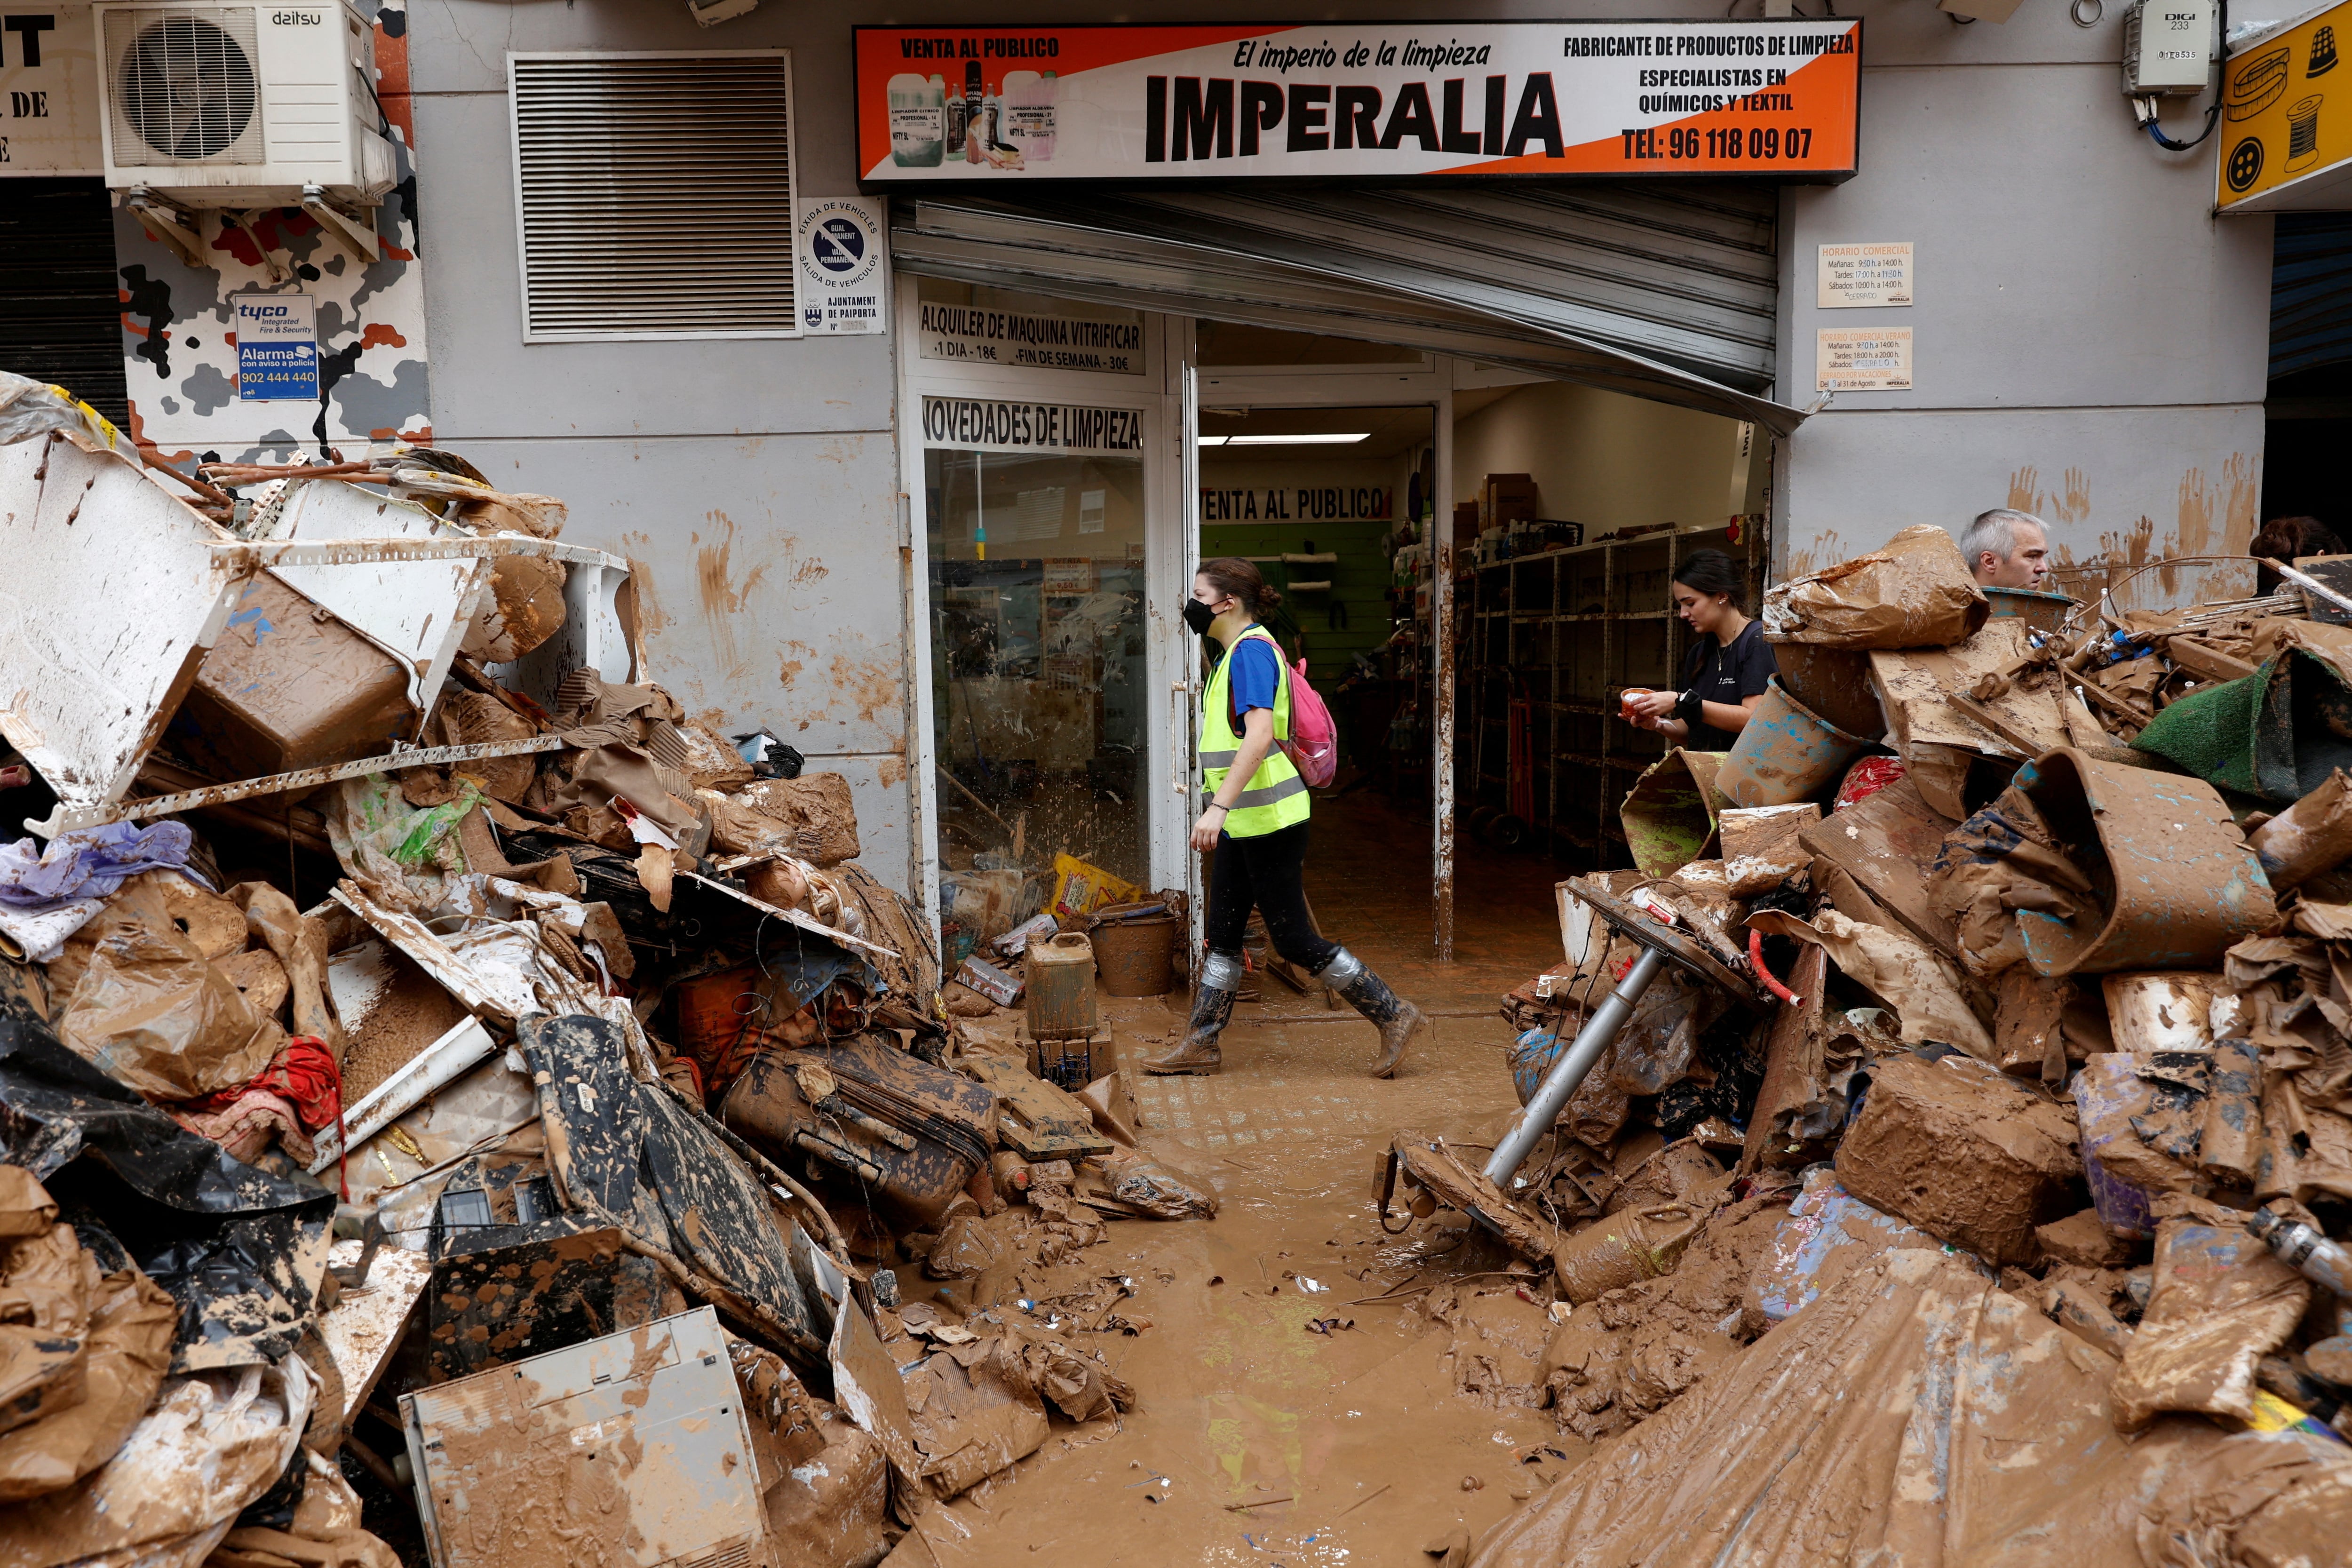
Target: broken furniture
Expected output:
[1486,1193]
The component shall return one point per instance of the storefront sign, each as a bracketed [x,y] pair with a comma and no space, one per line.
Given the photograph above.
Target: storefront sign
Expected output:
[1297,503]
[2286,141]
[49,92]
[1000,424]
[840,274]
[276,347]
[1863,359]
[976,334]
[1327,100]
[1852,276]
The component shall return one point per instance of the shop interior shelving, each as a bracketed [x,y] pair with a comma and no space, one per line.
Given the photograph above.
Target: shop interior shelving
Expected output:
[1560,632]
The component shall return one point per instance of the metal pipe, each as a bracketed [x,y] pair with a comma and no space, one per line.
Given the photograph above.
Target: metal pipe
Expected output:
[1441,548]
[1568,1074]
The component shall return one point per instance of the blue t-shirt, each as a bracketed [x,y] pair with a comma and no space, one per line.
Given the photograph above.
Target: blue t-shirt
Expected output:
[1255,677]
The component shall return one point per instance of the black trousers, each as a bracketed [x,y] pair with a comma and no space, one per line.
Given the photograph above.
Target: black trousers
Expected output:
[1269,872]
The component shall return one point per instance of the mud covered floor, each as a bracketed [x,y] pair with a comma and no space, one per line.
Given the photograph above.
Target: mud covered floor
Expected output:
[1240,1401]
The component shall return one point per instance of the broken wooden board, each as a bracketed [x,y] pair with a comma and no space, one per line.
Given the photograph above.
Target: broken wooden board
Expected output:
[363,1327]
[1887,842]
[1913,685]
[1456,1182]
[1036,1120]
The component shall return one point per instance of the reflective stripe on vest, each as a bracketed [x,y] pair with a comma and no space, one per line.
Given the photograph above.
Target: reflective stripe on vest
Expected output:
[1276,797]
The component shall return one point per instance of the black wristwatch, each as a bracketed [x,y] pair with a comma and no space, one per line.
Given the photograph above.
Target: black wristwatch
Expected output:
[1686,707]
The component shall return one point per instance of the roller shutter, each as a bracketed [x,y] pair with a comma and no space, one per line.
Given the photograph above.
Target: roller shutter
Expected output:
[1665,292]
[61,315]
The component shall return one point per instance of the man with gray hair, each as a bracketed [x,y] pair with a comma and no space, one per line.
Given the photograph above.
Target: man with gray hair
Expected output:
[2007,548]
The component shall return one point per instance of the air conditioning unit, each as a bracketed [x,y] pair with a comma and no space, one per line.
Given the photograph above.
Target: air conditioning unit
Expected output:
[241,106]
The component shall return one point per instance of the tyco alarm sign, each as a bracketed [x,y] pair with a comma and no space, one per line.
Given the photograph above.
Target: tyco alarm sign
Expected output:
[1329,100]
[276,347]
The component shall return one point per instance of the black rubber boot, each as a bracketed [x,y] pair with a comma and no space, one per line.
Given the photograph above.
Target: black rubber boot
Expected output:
[1397,1019]
[1213,1009]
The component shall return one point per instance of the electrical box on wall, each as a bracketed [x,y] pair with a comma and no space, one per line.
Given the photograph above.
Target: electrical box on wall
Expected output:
[2169,47]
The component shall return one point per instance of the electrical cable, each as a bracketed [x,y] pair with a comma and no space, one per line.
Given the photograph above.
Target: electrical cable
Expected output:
[2145,108]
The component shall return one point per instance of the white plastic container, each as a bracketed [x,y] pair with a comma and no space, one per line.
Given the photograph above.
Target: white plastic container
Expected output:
[918,121]
[1029,105]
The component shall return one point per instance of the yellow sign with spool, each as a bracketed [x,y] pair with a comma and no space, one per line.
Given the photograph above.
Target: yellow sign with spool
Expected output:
[2286,120]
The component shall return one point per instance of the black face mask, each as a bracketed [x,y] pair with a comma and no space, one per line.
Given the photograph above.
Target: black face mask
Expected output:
[1199,617]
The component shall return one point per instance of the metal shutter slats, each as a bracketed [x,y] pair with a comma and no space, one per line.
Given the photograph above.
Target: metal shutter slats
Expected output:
[656,195]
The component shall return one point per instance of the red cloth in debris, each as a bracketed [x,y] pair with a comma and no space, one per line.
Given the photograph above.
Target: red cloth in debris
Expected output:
[1866,778]
[302,1077]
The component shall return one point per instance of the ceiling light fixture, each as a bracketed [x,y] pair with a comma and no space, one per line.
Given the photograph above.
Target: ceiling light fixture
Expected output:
[1285,440]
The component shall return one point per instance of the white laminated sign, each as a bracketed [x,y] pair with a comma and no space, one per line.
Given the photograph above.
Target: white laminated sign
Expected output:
[841,266]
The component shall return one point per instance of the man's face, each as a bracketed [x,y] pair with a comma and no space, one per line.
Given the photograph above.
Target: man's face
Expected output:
[2027,565]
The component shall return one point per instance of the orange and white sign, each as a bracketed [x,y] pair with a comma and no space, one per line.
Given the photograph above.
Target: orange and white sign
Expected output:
[1325,100]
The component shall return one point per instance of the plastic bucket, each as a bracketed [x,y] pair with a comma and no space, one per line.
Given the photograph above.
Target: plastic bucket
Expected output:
[1785,754]
[1138,957]
[1834,682]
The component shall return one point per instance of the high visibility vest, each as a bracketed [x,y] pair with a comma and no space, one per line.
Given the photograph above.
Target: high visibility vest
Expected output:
[1276,797]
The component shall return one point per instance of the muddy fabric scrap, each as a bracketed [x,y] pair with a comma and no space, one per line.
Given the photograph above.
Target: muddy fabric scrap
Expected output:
[89,863]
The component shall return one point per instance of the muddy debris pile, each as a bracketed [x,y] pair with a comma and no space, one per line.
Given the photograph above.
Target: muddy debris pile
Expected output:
[1938,1146]
[431,1060]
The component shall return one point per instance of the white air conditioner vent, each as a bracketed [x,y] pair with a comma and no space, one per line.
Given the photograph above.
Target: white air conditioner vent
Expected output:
[654,194]
[186,88]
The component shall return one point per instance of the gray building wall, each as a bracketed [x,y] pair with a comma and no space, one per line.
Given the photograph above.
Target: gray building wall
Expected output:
[752,483]
[2090,344]
[2089,341]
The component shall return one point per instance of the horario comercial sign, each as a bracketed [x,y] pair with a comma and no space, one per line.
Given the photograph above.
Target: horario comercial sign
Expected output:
[1335,101]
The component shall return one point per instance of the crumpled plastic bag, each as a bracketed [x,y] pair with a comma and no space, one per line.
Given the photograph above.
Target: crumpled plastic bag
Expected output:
[84,1340]
[88,863]
[325,1531]
[1915,592]
[154,1013]
[213,1443]
[403,857]
[1157,1188]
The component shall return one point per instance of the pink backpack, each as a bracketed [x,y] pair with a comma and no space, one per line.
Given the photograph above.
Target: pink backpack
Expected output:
[1314,744]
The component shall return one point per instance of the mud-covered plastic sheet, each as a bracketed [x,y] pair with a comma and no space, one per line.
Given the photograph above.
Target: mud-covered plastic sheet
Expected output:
[241,1250]
[1918,1414]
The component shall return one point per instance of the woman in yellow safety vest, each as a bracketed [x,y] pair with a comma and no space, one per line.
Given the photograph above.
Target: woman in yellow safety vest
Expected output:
[1254,823]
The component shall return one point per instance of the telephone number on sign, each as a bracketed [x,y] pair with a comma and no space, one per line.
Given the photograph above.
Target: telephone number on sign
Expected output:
[1734,145]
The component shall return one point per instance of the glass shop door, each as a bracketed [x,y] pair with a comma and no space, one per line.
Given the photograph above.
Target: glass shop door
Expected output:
[1049,708]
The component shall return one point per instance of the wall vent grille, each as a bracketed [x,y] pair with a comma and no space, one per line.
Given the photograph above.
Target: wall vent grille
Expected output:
[654,194]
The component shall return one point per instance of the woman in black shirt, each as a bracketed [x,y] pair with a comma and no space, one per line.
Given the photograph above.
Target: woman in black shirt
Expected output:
[1728,663]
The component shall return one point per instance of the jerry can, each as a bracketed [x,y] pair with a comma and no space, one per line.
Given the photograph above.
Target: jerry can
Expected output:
[1061,1002]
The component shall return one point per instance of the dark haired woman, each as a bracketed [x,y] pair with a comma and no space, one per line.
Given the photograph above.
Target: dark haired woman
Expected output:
[1254,823]
[1728,663]
[2284,539]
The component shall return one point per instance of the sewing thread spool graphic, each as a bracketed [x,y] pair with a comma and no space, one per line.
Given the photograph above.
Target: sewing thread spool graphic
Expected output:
[2303,132]
[2323,52]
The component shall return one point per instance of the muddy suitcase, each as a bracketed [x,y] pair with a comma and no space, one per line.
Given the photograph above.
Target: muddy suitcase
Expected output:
[908,1134]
